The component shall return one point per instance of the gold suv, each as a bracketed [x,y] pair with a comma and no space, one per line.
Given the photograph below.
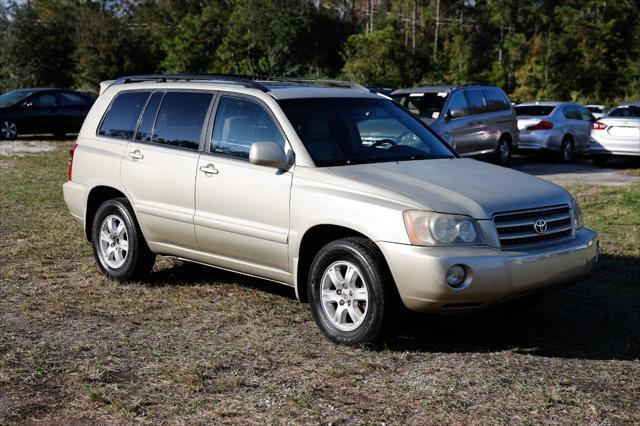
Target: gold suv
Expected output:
[323,186]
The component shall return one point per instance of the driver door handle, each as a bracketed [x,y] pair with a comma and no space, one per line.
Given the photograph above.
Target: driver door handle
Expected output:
[136,155]
[209,169]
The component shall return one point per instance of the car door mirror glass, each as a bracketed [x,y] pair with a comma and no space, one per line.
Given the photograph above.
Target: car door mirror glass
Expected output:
[268,154]
[455,113]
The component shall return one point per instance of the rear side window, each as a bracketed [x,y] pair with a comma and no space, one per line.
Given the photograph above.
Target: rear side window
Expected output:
[239,124]
[497,101]
[146,124]
[180,119]
[477,102]
[534,110]
[122,117]
[71,99]
[570,112]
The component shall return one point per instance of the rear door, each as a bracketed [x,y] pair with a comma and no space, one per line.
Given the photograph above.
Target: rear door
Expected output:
[159,167]
[573,123]
[587,119]
[73,108]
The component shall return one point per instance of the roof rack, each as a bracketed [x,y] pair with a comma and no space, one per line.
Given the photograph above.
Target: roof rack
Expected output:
[336,83]
[221,78]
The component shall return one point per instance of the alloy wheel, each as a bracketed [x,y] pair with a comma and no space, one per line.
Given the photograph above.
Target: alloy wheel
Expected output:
[8,129]
[114,241]
[345,295]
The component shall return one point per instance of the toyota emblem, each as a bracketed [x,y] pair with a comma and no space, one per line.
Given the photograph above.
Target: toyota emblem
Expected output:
[540,226]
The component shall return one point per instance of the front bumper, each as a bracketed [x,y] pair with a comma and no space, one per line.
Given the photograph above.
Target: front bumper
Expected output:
[494,275]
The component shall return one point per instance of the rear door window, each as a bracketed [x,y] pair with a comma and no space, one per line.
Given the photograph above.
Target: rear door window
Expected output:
[148,118]
[45,101]
[571,112]
[477,102]
[70,99]
[240,123]
[121,118]
[180,119]
[496,101]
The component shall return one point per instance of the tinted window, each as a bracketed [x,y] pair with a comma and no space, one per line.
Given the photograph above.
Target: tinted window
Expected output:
[180,119]
[346,131]
[459,104]
[11,98]
[626,111]
[571,112]
[146,124]
[477,102]
[70,99]
[424,105]
[122,117]
[239,124]
[46,100]
[585,114]
[496,100]
[534,110]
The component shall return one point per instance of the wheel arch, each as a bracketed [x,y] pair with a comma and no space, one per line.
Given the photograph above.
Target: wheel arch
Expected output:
[98,195]
[311,242]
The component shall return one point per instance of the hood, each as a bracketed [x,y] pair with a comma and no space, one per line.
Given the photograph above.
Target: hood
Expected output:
[460,186]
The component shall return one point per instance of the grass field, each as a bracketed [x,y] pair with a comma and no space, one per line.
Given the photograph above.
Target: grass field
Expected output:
[197,345]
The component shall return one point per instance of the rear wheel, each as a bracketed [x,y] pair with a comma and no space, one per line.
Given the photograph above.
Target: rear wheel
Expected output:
[8,129]
[118,244]
[350,291]
[503,151]
[600,160]
[566,150]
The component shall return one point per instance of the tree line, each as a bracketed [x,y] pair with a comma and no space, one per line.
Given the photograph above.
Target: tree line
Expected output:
[581,50]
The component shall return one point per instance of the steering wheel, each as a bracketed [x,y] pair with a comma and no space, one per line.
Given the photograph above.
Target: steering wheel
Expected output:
[382,142]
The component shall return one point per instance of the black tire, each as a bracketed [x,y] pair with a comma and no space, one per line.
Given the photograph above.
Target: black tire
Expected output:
[382,296]
[8,129]
[566,150]
[138,259]
[600,160]
[503,151]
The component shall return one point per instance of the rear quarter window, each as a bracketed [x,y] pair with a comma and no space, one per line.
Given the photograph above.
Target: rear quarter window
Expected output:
[121,118]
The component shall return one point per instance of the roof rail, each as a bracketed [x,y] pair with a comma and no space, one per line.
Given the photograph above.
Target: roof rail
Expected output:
[477,84]
[336,83]
[219,78]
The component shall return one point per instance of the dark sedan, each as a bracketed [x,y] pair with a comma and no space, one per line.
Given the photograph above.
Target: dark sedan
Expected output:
[37,111]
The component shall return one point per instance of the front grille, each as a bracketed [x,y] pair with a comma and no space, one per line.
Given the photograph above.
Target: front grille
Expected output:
[517,229]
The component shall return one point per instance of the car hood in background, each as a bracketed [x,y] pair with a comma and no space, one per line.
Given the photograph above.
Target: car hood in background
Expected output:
[462,186]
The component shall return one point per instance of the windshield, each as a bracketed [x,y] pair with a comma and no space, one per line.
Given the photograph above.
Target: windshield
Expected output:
[535,110]
[625,111]
[13,97]
[357,131]
[424,105]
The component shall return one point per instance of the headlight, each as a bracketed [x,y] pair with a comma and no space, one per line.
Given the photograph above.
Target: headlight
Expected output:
[431,229]
[577,214]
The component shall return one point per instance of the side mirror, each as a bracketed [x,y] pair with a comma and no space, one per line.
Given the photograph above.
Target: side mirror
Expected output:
[454,113]
[268,154]
[28,104]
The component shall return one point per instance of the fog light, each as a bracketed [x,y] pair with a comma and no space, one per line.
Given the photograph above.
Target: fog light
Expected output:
[456,276]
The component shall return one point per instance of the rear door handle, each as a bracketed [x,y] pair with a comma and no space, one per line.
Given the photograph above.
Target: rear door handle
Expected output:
[136,155]
[209,169]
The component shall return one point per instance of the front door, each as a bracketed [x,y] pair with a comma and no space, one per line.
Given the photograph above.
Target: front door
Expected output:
[242,210]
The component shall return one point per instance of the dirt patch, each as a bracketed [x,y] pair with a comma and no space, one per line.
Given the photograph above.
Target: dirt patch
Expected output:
[22,148]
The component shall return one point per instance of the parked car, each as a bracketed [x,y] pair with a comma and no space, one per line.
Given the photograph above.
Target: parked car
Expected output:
[276,181]
[598,111]
[616,134]
[476,120]
[39,111]
[562,128]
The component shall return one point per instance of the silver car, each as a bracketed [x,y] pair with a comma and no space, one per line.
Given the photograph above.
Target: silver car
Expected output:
[335,191]
[476,120]
[616,134]
[598,111]
[562,128]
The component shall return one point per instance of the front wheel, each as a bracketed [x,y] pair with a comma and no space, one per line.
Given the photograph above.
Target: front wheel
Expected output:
[8,129]
[118,244]
[350,291]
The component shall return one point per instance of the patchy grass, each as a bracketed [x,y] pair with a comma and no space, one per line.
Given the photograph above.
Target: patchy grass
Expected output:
[197,345]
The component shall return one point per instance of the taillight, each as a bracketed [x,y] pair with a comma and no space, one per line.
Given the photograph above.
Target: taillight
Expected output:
[598,125]
[543,125]
[71,152]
